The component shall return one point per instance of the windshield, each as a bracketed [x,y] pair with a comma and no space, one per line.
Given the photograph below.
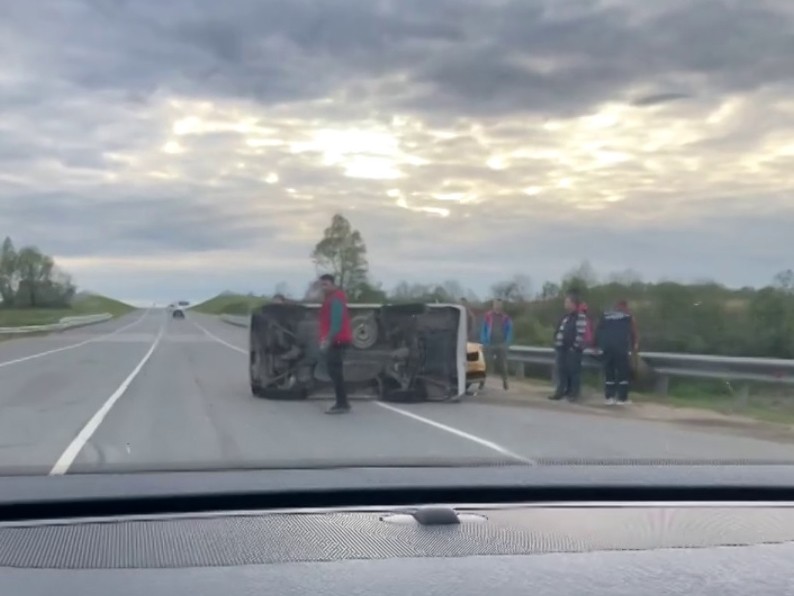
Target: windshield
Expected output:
[286,233]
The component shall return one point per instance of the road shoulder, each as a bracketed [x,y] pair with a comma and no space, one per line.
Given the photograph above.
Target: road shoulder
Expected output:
[533,394]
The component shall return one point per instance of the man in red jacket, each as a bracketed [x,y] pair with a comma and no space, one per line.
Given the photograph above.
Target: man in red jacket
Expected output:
[336,335]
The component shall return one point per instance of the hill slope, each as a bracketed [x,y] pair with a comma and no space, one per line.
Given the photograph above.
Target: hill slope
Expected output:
[230,304]
[83,305]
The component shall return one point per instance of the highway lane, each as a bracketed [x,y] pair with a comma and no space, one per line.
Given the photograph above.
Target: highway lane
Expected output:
[148,392]
[560,434]
[23,348]
[50,386]
[192,406]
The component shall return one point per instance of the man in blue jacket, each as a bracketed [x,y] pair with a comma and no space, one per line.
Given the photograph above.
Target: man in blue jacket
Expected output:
[496,336]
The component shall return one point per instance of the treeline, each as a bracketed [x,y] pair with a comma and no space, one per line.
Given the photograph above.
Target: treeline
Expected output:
[698,318]
[30,279]
[705,318]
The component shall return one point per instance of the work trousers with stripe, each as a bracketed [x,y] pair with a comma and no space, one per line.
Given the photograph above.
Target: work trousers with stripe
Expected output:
[617,369]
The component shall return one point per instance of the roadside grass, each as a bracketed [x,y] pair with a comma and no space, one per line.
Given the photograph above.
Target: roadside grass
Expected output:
[230,304]
[88,305]
[765,402]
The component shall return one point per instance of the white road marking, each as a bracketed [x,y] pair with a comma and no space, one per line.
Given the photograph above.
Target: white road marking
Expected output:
[457,432]
[68,456]
[221,341]
[73,346]
[450,429]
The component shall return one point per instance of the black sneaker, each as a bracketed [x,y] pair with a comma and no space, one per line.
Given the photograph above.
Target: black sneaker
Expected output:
[555,397]
[337,409]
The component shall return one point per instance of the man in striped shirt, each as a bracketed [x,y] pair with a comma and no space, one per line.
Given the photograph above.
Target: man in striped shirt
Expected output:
[569,343]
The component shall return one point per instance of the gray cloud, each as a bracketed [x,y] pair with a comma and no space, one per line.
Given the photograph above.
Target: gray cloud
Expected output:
[73,226]
[471,56]
[90,91]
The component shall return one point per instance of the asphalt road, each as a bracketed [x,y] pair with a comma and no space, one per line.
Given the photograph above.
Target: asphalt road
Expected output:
[149,392]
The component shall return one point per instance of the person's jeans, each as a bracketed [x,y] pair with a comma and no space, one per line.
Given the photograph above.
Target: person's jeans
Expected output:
[569,372]
[617,369]
[498,355]
[334,362]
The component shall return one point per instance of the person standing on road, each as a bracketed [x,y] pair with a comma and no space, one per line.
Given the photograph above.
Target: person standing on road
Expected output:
[336,335]
[569,343]
[496,336]
[617,338]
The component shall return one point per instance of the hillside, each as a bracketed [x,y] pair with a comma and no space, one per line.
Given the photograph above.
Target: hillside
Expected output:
[230,304]
[82,305]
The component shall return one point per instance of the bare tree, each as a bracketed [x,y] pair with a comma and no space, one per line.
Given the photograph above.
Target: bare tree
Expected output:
[517,289]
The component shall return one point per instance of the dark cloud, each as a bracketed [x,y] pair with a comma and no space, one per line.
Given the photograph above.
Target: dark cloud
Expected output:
[470,57]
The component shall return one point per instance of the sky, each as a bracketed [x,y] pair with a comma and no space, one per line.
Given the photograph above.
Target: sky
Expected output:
[162,150]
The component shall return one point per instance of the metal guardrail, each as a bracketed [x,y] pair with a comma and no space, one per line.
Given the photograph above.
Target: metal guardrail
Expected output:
[237,320]
[64,323]
[663,365]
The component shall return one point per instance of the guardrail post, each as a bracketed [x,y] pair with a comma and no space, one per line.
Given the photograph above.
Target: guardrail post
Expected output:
[662,386]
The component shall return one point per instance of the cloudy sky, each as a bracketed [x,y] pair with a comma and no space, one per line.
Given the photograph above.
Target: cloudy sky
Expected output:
[183,147]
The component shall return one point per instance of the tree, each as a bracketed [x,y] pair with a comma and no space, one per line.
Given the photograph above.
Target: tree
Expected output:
[29,278]
[401,292]
[370,294]
[517,289]
[35,269]
[8,272]
[453,290]
[550,290]
[580,278]
[785,281]
[342,252]
[57,291]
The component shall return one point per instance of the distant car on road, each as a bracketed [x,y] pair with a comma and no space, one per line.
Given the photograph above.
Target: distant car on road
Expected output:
[178,313]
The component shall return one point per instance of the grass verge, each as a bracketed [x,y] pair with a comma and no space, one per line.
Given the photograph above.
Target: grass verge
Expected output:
[763,402]
[88,305]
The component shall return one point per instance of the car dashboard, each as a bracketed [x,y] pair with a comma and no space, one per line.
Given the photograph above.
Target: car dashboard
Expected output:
[444,548]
